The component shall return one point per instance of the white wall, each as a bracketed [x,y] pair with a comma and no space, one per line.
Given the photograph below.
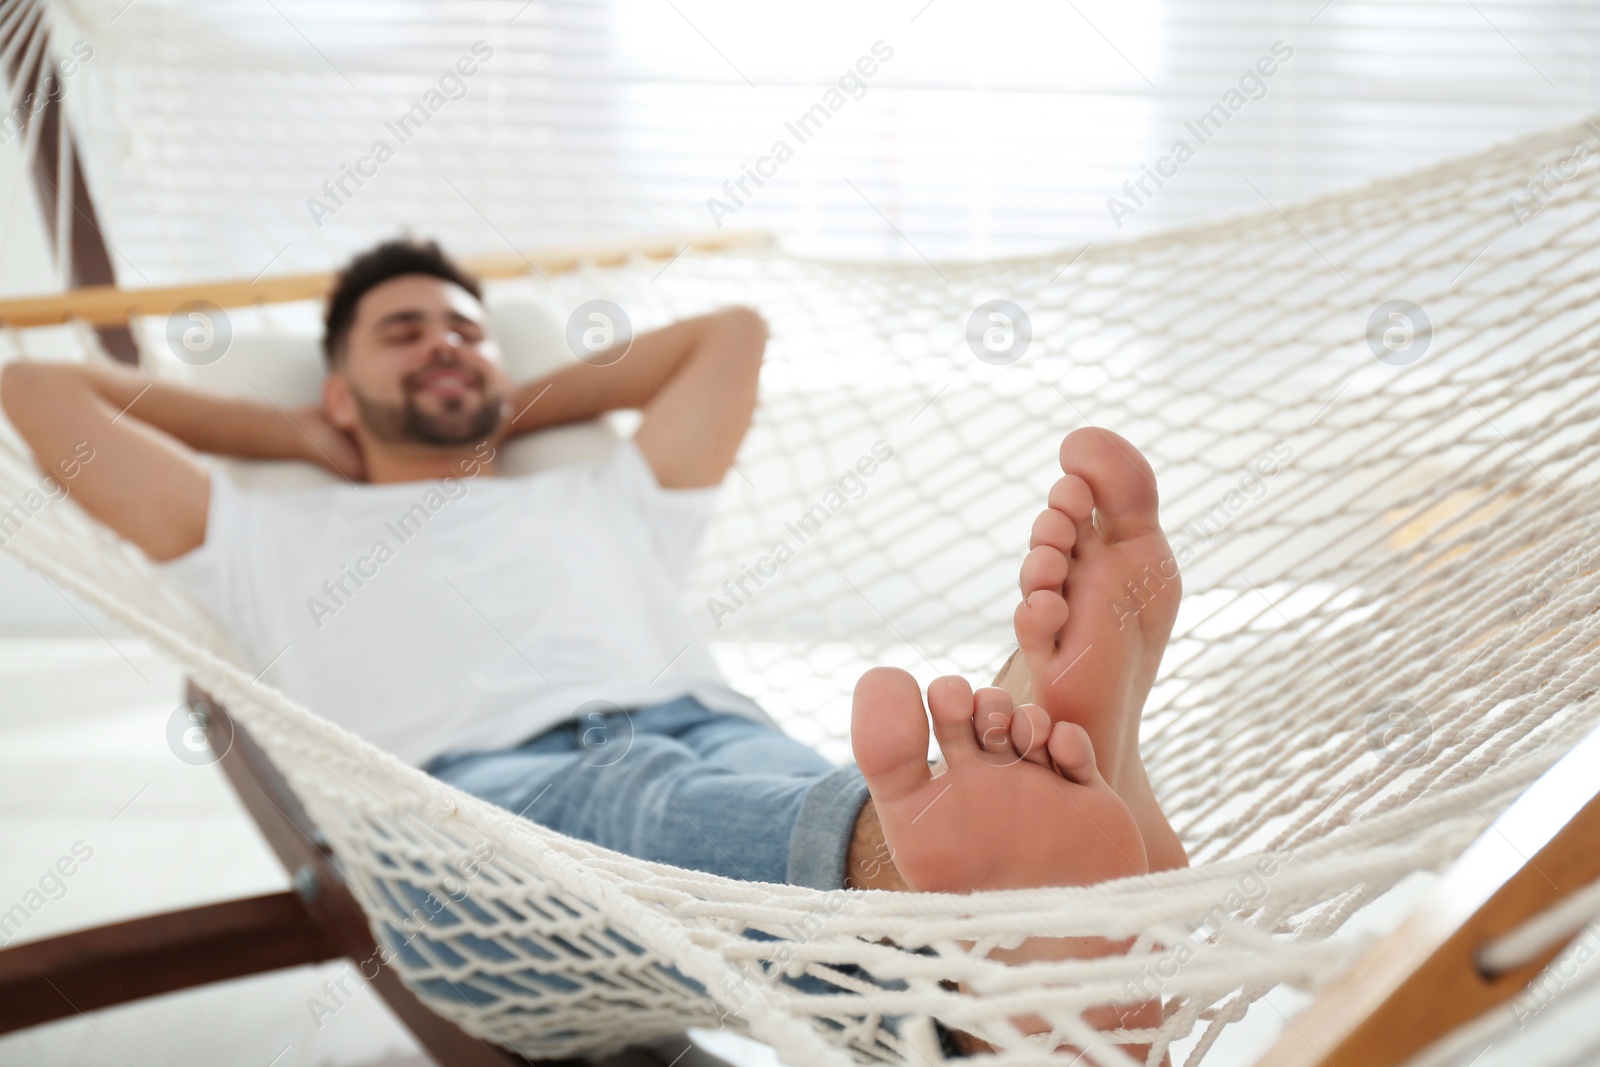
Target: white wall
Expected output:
[994,129]
[26,265]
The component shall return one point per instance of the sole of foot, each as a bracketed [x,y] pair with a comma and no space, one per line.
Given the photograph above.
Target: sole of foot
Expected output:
[1021,803]
[1101,587]
[997,817]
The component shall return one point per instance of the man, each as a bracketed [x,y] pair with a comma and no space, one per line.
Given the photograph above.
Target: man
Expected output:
[523,639]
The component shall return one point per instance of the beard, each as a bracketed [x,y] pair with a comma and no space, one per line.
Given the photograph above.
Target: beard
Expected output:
[462,420]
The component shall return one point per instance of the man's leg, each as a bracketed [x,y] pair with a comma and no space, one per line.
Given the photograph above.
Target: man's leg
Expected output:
[1061,780]
[869,862]
[679,784]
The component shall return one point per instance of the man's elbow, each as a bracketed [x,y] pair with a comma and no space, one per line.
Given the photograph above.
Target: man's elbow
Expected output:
[28,389]
[748,326]
[18,380]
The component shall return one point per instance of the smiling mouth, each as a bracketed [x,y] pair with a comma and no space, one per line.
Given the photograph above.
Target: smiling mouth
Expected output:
[446,381]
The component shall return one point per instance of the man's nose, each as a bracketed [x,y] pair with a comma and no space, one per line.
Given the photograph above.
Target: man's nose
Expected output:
[446,345]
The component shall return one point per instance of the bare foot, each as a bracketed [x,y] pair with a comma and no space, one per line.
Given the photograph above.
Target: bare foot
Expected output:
[1019,804]
[1100,589]
[993,819]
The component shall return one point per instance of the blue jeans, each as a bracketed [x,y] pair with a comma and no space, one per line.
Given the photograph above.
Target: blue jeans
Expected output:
[675,783]
[680,784]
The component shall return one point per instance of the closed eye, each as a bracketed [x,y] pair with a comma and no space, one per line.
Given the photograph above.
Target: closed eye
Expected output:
[403,334]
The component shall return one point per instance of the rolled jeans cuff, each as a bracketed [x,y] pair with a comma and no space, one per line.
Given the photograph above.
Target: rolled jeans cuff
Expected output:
[819,846]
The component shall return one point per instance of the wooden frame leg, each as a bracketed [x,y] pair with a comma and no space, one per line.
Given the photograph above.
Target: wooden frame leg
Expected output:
[1429,976]
[57,977]
[88,969]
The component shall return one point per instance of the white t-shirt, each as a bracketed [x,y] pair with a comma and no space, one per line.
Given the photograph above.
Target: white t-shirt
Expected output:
[462,614]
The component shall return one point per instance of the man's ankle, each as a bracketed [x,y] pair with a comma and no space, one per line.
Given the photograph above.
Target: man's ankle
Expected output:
[1013,678]
[869,862]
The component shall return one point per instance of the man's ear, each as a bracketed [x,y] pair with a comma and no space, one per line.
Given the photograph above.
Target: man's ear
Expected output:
[337,403]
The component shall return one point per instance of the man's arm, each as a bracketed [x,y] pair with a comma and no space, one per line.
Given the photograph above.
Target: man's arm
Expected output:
[145,480]
[694,380]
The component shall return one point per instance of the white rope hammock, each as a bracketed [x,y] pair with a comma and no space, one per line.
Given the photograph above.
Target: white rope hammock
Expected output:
[1383,642]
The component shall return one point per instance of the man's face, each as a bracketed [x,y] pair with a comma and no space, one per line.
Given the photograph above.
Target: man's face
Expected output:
[421,366]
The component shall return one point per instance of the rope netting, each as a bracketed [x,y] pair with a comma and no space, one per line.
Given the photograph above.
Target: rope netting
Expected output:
[1374,419]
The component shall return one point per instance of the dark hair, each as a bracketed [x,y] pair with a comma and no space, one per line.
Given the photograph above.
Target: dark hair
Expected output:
[372,268]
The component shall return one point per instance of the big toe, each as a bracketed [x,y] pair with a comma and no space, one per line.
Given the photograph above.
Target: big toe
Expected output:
[889,733]
[1121,479]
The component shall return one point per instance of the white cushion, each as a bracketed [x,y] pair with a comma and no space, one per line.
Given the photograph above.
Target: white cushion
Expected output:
[284,366]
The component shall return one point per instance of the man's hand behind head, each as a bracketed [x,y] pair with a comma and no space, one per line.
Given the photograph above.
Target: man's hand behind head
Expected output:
[326,444]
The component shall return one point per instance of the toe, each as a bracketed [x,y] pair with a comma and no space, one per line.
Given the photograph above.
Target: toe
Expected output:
[950,701]
[1119,477]
[1030,734]
[991,720]
[1043,568]
[1038,622]
[889,733]
[1073,498]
[1072,753]
[1054,528]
